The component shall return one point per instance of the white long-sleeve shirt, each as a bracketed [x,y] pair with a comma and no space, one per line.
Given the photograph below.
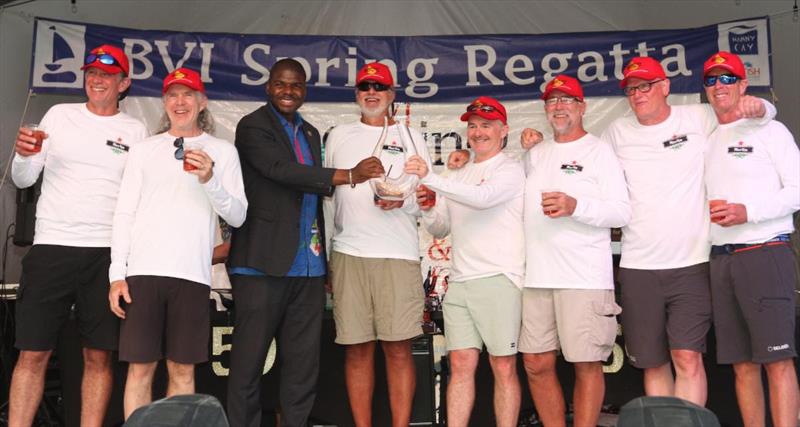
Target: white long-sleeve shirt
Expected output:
[359,227]
[481,207]
[573,252]
[83,159]
[663,165]
[758,166]
[164,222]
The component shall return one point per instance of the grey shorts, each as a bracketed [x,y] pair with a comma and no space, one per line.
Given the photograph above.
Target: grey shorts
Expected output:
[582,323]
[483,311]
[375,298]
[754,304]
[664,310]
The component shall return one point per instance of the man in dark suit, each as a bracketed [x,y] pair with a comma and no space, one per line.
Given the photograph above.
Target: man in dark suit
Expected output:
[277,258]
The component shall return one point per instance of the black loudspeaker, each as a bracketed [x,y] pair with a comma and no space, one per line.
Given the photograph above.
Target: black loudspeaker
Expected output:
[423,411]
[653,411]
[195,410]
[25,220]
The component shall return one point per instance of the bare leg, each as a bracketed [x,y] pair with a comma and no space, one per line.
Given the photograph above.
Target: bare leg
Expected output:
[658,381]
[401,378]
[181,378]
[590,387]
[98,379]
[138,386]
[27,386]
[359,372]
[750,393]
[783,392]
[690,376]
[506,389]
[461,388]
[548,397]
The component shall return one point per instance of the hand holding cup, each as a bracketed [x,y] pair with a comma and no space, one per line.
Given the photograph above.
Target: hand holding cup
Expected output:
[30,140]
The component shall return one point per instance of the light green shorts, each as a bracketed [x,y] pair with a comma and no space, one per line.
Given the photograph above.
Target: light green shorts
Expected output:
[483,311]
[375,298]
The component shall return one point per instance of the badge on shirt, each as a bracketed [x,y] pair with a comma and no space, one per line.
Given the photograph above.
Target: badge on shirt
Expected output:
[117,146]
[314,244]
[571,168]
[740,151]
[676,142]
[393,148]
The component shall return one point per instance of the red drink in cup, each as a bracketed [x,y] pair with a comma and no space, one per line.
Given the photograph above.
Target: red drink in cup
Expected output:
[186,165]
[430,197]
[547,191]
[713,203]
[38,134]
[190,147]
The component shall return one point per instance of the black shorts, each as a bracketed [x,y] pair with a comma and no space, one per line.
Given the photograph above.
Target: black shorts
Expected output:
[754,304]
[167,318]
[664,310]
[54,278]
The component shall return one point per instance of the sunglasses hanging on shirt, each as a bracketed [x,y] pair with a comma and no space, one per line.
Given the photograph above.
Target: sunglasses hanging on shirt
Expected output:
[179,151]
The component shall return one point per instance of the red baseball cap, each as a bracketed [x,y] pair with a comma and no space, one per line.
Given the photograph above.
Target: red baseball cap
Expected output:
[186,77]
[727,61]
[108,58]
[564,83]
[375,72]
[486,107]
[642,67]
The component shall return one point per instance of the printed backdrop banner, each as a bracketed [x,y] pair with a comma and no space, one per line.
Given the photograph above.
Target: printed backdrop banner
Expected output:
[428,68]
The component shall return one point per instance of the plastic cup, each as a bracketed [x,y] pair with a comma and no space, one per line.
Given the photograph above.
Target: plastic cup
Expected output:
[188,147]
[547,190]
[430,197]
[714,202]
[38,133]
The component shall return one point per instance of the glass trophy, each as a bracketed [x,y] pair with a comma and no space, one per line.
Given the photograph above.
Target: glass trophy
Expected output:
[395,184]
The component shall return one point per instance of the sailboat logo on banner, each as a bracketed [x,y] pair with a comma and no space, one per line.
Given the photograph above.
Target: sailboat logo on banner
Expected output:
[58,54]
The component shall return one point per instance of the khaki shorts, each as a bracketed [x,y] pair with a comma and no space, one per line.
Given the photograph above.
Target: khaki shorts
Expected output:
[375,298]
[580,322]
[483,311]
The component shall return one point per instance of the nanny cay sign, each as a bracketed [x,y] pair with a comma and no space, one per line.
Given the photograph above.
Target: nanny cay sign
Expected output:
[429,68]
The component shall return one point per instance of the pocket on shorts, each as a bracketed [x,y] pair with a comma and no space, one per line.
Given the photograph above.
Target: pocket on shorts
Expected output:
[605,315]
[774,304]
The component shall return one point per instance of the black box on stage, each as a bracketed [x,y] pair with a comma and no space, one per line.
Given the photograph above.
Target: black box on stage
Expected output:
[25,219]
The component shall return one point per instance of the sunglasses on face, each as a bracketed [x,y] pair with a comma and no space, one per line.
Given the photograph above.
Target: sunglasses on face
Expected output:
[179,151]
[377,87]
[103,59]
[642,88]
[726,79]
[566,100]
[484,108]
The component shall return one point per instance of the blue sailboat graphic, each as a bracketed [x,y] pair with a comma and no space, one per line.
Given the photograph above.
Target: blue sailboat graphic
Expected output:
[62,55]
